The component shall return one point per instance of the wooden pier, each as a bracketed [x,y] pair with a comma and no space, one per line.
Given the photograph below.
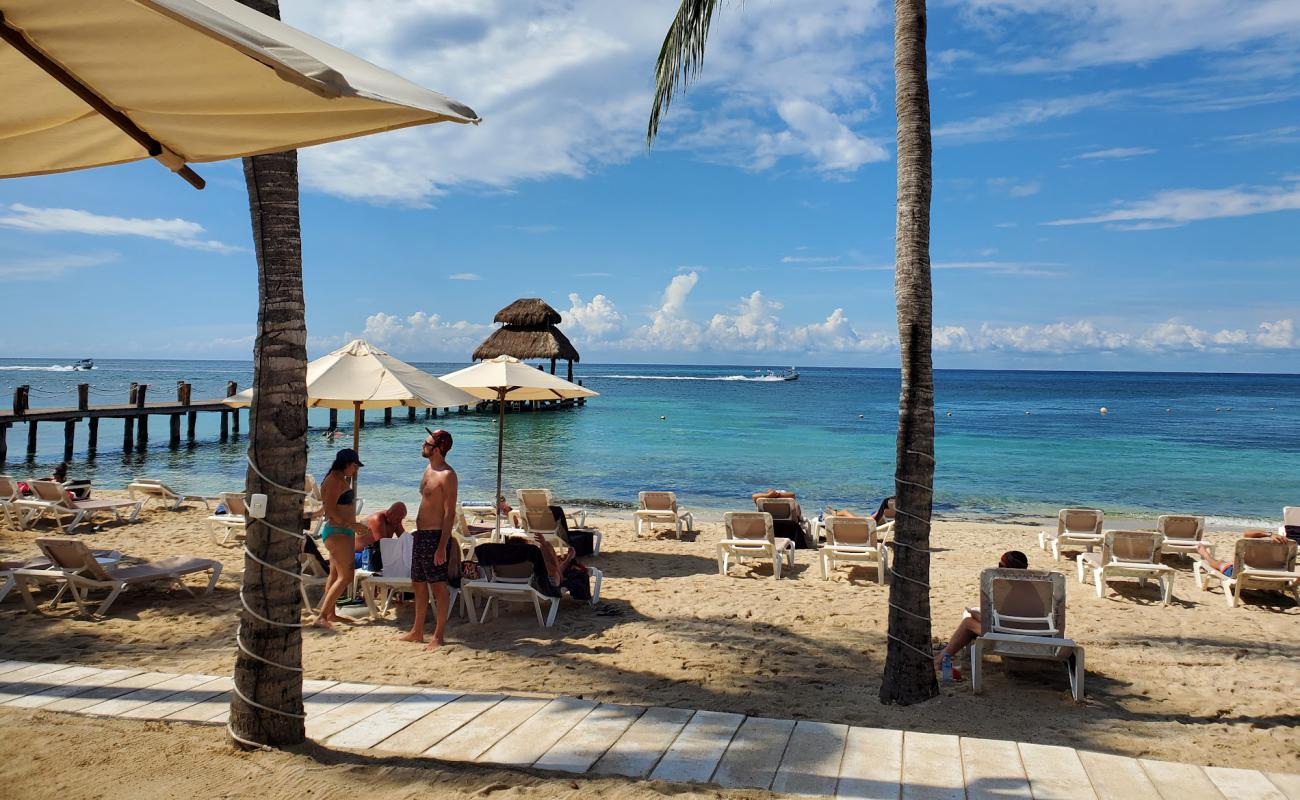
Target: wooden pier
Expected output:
[134,413]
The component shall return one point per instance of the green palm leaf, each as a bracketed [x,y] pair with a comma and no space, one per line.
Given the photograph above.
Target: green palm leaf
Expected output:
[681,56]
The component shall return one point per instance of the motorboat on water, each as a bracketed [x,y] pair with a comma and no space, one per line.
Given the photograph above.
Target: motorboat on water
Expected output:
[85,363]
[790,374]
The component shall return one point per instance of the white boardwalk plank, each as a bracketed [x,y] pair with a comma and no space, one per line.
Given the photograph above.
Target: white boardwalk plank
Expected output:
[1244,783]
[582,746]
[98,694]
[755,753]
[811,764]
[181,700]
[140,697]
[50,681]
[216,700]
[28,680]
[1055,773]
[433,727]
[1286,783]
[309,690]
[639,749]
[872,768]
[528,742]
[377,727]
[993,770]
[323,726]
[337,695]
[1180,781]
[476,736]
[10,666]
[1116,777]
[698,748]
[93,678]
[932,767]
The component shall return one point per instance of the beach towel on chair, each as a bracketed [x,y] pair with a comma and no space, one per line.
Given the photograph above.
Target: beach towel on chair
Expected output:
[582,541]
[493,555]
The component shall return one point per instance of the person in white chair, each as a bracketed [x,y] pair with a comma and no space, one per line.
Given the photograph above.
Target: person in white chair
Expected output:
[970,628]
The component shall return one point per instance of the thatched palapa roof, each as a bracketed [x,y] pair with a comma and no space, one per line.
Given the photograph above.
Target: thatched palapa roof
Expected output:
[529,332]
[528,311]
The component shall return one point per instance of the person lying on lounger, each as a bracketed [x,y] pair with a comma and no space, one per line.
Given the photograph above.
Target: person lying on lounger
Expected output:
[1226,566]
[971,627]
[770,493]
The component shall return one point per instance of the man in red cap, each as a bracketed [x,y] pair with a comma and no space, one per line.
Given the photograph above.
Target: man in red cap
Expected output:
[435,556]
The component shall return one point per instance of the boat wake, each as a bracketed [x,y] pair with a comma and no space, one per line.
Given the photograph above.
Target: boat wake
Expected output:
[50,368]
[746,378]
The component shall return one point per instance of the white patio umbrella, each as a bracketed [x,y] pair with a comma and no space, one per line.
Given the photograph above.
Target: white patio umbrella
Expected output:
[88,83]
[361,376]
[506,378]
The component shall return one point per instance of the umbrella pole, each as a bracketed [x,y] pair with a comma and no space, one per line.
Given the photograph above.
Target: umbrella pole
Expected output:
[356,436]
[501,430]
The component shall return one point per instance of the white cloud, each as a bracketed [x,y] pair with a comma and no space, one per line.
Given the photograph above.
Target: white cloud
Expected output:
[1025,268]
[754,326]
[598,319]
[1084,336]
[1084,33]
[180,232]
[837,334]
[1117,153]
[1176,207]
[1279,335]
[49,268]
[422,334]
[465,276]
[1013,187]
[809,259]
[670,328]
[564,88]
[1287,134]
[1021,114]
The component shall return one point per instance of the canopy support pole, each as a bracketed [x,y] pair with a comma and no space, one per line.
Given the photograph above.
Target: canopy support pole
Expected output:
[151,145]
[501,438]
[356,425]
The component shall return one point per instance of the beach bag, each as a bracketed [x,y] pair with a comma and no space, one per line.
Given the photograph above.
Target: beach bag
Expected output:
[469,571]
[582,541]
[578,581]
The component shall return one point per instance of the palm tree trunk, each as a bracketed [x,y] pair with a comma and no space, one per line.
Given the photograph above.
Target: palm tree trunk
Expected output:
[278,445]
[909,670]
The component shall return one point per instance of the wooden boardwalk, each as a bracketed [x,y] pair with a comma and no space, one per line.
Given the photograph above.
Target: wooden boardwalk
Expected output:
[571,735]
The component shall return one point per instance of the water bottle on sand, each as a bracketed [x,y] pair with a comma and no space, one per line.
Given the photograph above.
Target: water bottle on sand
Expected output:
[945,670]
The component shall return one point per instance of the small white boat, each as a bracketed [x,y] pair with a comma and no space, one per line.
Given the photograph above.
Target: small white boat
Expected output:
[85,363]
[790,374]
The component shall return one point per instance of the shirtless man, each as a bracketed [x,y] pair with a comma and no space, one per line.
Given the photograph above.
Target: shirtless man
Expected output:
[434,552]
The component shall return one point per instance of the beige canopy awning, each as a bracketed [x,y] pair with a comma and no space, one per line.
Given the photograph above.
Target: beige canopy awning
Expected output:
[361,376]
[89,83]
[488,379]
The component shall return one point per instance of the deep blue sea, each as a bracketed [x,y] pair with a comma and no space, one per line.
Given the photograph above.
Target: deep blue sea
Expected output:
[1008,442]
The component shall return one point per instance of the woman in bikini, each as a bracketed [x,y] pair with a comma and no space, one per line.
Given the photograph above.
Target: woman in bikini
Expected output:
[338,498]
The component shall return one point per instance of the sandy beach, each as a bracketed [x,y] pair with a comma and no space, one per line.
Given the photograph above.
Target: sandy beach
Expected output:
[1195,681]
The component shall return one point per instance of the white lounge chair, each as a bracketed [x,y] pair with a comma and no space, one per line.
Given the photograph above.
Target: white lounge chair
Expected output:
[541,499]
[233,522]
[51,499]
[83,573]
[1257,564]
[1290,519]
[9,514]
[151,489]
[533,519]
[852,539]
[514,583]
[1128,554]
[787,516]
[749,535]
[471,534]
[1181,533]
[1023,614]
[655,507]
[1075,528]
[7,568]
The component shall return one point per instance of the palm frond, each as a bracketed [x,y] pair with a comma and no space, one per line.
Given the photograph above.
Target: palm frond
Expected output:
[681,56]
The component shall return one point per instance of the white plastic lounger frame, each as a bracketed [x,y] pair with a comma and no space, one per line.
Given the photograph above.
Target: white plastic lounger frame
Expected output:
[232,522]
[8,494]
[1257,564]
[1024,613]
[1182,533]
[535,499]
[852,539]
[52,499]
[1075,528]
[533,519]
[749,535]
[1128,554]
[84,574]
[655,507]
[1291,517]
[151,489]
[514,583]
[396,555]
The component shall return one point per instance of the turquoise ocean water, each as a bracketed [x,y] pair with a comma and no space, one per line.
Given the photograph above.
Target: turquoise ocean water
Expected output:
[1008,442]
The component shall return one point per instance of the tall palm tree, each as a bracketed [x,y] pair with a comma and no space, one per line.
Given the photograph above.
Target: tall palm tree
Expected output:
[268,664]
[909,673]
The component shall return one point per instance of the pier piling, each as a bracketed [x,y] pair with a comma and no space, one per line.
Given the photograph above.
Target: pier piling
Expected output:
[92,437]
[225,425]
[192,420]
[334,419]
[83,396]
[410,414]
[388,416]
[4,442]
[69,436]
[31,439]
[232,389]
[142,426]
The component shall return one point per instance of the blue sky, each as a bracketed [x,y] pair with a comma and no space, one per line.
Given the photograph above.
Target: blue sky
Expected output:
[1116,186]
